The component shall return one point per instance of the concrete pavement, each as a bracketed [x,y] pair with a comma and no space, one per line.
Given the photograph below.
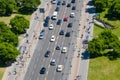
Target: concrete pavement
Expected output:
[79,68]
[27,46]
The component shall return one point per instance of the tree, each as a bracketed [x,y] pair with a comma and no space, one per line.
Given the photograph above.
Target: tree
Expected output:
[7,53]
[2,8]
[106,41]
[19,24]
[28,6]
[115,9]
[95,47]
[7,7]
[100,6]
[6,35]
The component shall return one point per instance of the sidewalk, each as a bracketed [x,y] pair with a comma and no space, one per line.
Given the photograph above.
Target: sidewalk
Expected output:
[77,55]
[18,69]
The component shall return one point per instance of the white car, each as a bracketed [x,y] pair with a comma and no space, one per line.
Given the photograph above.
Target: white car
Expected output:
[52,38]
[72,15]
[53,62]
[64,49]
[51,27]
[59,68]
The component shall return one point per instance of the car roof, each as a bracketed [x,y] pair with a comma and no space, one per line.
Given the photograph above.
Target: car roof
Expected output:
[60,65]
[53,60]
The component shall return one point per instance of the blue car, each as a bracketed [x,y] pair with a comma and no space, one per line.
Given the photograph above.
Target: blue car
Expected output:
[57,9]
[43,70]
[59,22]
[47,54]
[59,3]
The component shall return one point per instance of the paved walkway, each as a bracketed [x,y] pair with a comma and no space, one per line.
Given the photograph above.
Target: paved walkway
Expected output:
[77,55]
[27,45]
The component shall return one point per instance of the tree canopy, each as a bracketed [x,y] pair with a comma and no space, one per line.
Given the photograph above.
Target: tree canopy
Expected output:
[113,7]
[19,24]
[6,35]
[7,7]
[7,53]
[22,6]
[106,41]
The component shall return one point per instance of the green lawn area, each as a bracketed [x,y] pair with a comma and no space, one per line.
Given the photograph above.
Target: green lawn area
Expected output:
[113,22]
[102,68]
[98,30]
[2,69]
[7,19]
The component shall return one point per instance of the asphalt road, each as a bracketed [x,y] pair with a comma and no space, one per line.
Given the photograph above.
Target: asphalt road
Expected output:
[38,60]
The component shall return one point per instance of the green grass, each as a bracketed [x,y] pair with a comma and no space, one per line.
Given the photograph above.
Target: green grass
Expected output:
[103,69]
[113,22]
[7,19]
[2,69]
[98,30]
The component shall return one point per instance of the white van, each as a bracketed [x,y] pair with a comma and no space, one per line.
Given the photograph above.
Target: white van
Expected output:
[54,16]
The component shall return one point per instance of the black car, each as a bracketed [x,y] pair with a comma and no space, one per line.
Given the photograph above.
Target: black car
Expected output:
[47,19]
[68,5]
[70,25]
[62,32]
[74,8]
[63,3]
[67,34]
[57,9]
[47,54]
[43,70]
[45,24]
[42,31]
[58,47]
[72,1]
[59,22]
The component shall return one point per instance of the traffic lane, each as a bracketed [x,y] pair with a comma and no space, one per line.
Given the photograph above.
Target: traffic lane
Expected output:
[55,33]
[62,57]
[67,40]
[52,49]
[32,63]
[45,39]
[59,30]
[51,44]
[67,14]
[39,63]
[56,55]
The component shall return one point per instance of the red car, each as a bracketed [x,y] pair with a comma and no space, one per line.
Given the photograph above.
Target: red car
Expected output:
[65,19]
